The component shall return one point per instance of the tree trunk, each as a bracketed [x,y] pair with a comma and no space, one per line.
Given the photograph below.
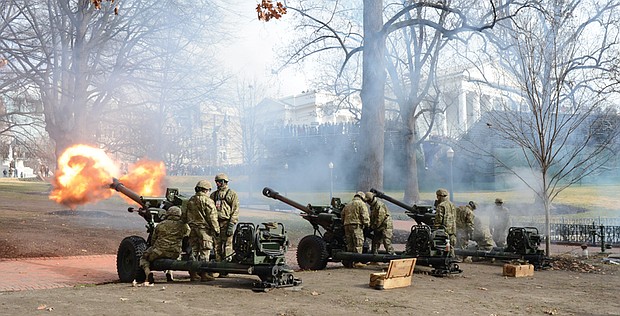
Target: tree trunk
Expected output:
[371,138]
[412,188]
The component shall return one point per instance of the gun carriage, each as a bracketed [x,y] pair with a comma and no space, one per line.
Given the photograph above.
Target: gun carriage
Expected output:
[258,249]
[327,244]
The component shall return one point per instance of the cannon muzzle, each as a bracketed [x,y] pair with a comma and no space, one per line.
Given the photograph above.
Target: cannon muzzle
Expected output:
[390,199]
[268,192]
[118,186]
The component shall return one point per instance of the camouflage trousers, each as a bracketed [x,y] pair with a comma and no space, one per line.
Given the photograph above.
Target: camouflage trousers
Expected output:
[151,254]
[499,236]
[223,243]
[452,244]
[382,237]
[484,241]
[354,237]
[201,243]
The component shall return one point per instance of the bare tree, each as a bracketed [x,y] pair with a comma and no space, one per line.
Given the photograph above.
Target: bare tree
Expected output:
[90,64]
[417,19]
[558,56]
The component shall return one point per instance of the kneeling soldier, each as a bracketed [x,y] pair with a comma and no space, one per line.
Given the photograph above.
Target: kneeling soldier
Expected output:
[166,241]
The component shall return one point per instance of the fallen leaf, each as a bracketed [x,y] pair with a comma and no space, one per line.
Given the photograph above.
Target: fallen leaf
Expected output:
[124,299]
[483,288]
[42,306]
[315,293]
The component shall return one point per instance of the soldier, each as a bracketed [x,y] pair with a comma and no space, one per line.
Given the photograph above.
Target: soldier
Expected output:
[165,242]
[465,224]
[482,232]
[500,223]
[446,217]
[227,205]
[201,216]
[355,219]
[380,223]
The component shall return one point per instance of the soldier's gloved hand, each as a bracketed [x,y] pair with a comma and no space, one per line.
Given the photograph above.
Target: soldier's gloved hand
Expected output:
[231,229]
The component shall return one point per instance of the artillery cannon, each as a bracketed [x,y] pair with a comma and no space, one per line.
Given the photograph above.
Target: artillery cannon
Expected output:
[258,250]
[521,244]
[425,241]
[327,244]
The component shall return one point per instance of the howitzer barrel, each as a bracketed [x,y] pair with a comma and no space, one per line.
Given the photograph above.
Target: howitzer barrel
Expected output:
[268,192]
[118,186]
[388,198]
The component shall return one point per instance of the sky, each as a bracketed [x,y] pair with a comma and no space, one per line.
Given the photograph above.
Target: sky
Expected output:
[252,51]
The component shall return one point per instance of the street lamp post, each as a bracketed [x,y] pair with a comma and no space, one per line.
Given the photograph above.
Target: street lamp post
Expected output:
[285,176]
[450,154]
[331,180]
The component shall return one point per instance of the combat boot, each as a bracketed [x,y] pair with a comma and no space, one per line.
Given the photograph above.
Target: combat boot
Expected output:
[194,276]
[205,277]
[150,278]
[169,276]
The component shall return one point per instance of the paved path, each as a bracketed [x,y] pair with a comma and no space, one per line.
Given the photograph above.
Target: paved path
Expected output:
[55,272]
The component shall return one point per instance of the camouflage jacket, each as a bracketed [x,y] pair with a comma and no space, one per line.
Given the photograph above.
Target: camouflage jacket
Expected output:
[227,204]
[201,213]
[168,236]
[356,212]
[380,218]
[465,218]
[446,216]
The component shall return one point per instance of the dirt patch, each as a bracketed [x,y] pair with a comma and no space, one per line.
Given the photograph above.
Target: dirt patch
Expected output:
[35,228]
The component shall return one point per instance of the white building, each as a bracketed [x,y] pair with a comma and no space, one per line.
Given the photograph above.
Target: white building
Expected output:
[467,94]
[311,108]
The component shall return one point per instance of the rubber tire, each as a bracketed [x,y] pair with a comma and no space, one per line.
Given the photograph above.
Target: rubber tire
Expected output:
[128,259]
[312,253]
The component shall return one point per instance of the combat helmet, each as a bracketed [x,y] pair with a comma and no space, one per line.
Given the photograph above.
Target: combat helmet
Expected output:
[221,176]
[203,184]
[173,211]
[499,201]
[361,194]
[472,204]
[441,192]
[369,196]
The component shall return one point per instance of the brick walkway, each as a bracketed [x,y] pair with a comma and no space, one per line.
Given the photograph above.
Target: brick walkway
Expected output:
[55,272]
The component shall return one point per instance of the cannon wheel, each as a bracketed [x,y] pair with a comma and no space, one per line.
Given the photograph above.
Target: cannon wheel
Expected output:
[312,253]
[128,259]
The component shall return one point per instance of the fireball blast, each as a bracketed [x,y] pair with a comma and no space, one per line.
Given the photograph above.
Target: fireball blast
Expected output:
[258,250]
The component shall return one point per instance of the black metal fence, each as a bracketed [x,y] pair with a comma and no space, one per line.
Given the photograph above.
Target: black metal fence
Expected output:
[579,232]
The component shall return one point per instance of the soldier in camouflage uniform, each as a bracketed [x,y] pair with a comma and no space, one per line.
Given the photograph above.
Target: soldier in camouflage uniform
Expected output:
[446,217]
[380,223]
[227,205]
[465,224]
[500,223]
[482,233]
[201,216]
[166,241]
[355,219]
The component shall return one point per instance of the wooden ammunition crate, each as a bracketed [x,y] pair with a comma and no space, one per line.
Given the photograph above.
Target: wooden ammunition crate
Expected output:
[518,270]
[398,275]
